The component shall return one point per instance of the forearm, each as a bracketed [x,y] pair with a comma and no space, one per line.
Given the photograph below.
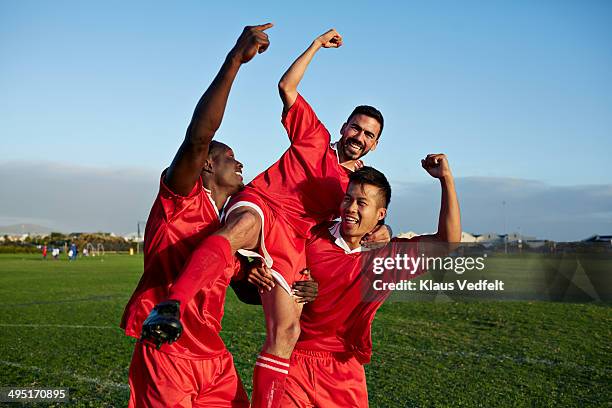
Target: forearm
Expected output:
[289,82]
[191,156]
[449,223]
[209,111]
[188,161]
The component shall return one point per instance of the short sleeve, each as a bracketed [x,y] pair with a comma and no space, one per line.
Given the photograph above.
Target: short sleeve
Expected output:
[173,203]
[302,124]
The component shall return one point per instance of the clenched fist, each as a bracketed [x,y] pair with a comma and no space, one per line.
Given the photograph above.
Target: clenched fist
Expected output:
[436,165]
[331,39]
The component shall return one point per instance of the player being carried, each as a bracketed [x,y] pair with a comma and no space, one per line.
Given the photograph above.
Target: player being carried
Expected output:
[197,370]
[272,218]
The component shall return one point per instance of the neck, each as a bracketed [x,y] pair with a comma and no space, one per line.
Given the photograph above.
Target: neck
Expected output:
[344,162]
[349,164]
[352,242]
[219,194]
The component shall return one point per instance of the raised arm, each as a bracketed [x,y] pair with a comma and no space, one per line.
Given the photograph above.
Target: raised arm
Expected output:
[288,84]
[189,160]
[449,222]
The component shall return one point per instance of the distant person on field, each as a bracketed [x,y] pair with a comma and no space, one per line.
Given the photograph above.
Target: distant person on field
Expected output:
[72,254]
[44,252]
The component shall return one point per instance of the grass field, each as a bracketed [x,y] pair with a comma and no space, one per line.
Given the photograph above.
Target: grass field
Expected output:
[59,321]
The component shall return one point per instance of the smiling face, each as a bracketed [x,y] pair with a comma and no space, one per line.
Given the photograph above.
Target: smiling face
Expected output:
[359,136]
[226,170]
[361,209]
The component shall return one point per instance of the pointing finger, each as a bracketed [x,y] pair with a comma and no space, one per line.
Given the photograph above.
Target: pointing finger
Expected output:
[263,27]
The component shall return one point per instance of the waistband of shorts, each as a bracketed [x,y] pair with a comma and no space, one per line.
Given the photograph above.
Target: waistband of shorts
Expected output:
[221,354]
[324,355]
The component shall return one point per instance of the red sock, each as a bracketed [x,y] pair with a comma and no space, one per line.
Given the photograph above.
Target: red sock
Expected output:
[269,380]
[208,262]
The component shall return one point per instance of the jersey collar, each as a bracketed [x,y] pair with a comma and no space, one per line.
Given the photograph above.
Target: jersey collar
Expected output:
[334,230]
[212,201]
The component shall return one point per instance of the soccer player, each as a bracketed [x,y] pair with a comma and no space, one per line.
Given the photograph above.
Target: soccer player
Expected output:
[272,218]
[326,368]
[197,370]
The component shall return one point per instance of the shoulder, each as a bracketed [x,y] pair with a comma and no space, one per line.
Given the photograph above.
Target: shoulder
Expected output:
[321,232]
[166,192]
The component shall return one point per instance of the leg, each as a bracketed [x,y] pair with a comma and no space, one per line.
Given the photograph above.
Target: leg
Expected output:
[341,383]
[216,253]
[242,229]
[300,389]
[158,380]
[212,259]
[282,332]
[282,322]
[221,386]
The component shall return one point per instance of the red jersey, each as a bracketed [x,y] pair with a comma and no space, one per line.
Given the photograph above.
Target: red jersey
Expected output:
[176,225]
[340,319]
[307,184]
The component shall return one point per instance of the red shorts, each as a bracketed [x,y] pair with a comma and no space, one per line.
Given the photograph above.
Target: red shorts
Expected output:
[160,380]
[323,379]
[282,249]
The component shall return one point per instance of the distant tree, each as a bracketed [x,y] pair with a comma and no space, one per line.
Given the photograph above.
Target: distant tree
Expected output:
[57,236]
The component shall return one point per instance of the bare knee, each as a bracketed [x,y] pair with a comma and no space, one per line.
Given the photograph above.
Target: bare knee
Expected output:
[283,337]
[242,229]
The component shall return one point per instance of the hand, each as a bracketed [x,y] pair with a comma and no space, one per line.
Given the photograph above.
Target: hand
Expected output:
[261,276]
[306,290]
[378,237]
[436,165]
[252,41]
[331,39]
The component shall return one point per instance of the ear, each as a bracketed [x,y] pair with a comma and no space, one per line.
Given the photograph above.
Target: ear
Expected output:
[382,213]
[343,128]
[374,145]
[208,166]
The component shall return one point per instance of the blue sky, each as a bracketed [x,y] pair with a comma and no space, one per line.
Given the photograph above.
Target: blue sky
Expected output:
[516,90]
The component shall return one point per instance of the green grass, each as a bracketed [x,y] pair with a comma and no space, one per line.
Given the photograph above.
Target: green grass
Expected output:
[426,353]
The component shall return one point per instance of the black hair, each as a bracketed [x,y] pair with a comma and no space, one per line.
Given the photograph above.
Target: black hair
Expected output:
[215,148]
[369,175]
[371,112]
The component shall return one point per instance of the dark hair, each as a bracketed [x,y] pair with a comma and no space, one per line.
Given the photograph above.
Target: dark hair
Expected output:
[215,148]
[371,112]
[369,175]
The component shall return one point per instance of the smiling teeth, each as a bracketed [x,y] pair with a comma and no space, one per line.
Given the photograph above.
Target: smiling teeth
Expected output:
[351,220]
